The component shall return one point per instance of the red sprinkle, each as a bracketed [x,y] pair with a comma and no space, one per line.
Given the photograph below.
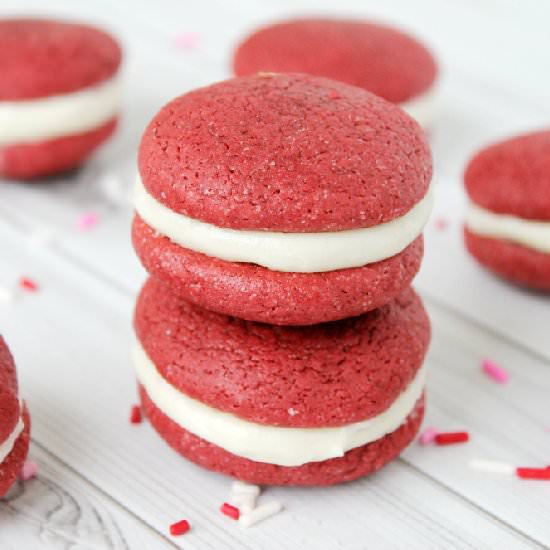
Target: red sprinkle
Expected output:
[533,473]
[28,284]
[230,511]
[450,438]
[135,415]
[179,528]
[334,95]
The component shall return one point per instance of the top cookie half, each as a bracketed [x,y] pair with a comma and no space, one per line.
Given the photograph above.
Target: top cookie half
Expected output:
[286,153]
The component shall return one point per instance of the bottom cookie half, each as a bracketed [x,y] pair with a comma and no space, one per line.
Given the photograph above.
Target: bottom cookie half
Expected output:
[358,462]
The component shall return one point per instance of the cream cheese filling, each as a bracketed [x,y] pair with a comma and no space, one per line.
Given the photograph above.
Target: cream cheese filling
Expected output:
[32,120]
[271,444]
[7,445]
[289,252]
[529,233]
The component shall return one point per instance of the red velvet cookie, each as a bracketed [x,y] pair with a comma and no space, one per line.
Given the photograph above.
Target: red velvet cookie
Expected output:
[328,375]
[58,95]
[14,423]
[508,224]
[380,59]
[257,164]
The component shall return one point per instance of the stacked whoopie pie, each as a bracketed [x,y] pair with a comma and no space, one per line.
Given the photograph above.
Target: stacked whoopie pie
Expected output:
[280,218]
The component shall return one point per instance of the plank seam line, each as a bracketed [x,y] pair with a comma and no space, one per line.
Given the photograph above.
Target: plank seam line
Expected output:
[474,505]
[70,539]
[112,499]
[464,317]
[106,495]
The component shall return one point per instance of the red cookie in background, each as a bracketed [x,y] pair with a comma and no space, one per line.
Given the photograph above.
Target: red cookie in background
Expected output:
[14,423]
[382,60]
[508,222]
[282,405]
[286,199]
[59,95]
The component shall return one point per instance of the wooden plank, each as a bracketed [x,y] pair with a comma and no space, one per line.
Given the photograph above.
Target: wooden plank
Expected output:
[59,509]
[80,412]
[507,422]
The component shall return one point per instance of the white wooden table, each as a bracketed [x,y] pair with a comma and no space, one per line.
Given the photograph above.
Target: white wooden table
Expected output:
[104,483]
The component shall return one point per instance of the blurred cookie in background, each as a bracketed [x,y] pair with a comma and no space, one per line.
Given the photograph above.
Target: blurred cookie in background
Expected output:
[59,95]
[508,221]
[380,59]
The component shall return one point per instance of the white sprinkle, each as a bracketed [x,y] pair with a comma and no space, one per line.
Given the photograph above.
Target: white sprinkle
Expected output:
[292,412]
[240,488]
[245,502]
[259,514]
[493,466]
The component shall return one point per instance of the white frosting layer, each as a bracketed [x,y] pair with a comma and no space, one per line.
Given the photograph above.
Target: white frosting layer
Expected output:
[423,107]
[530,233]
[271,444]
[290,252]
[7,445]
[32,120]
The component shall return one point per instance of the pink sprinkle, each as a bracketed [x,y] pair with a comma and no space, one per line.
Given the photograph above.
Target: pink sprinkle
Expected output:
[87,221]
[441,224]
[427,437]
[29,470]
[494,371]
[187,40]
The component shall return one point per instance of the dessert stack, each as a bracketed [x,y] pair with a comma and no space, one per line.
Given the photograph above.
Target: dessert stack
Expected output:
[280,217]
